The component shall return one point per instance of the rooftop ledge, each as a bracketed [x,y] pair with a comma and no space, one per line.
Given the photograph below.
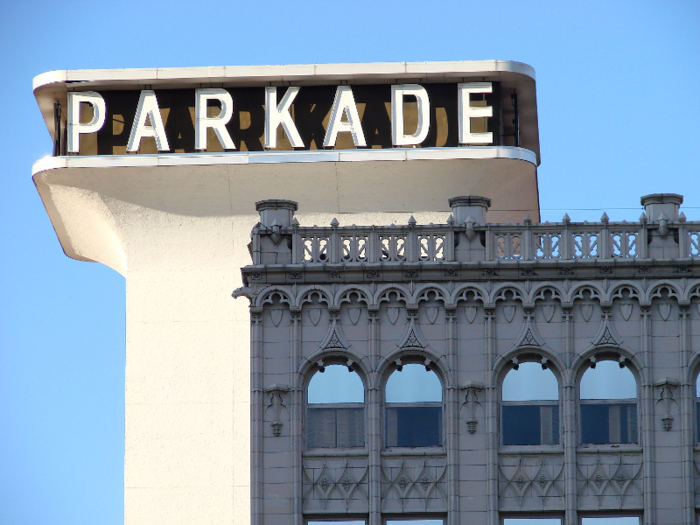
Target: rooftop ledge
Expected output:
[274,157]
[312,73]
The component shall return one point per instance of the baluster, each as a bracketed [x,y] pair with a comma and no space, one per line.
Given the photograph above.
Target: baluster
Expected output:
[373,248]
[334,248]
[412,250]
[449,247]
[682,237]
[604,241]
[527,250]
[297,248]
[566,251]
[490,242]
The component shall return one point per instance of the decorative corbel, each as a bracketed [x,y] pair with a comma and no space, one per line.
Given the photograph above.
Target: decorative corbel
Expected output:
[471,399]
[665,388]
[276,393]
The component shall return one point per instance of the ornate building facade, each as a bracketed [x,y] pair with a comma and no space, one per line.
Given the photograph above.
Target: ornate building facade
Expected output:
[497,371]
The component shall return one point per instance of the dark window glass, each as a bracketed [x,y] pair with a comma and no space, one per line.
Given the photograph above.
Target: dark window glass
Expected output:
[530,424]
[413,426]
[332,427]
[603,423]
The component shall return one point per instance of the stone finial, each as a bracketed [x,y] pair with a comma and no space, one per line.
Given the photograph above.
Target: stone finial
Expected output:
[472,205]
[566,219]
[657,204]
[279,210]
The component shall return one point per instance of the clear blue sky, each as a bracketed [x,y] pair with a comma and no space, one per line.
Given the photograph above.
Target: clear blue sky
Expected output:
[618,113]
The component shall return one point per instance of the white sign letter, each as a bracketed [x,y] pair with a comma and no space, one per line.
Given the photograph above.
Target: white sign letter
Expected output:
[397,95]
[147,109]
[276,115]
[466,113]
[218,123]
[344,103]
[75,128]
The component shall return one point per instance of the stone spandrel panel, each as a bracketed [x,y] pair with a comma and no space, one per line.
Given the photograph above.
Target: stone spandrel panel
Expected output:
[335,485]
[610,481]
[533,482]
[414,484]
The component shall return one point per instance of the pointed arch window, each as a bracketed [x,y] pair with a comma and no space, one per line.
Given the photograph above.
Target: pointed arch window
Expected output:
[413,407]
[608,394]
[335,410]
[530,406]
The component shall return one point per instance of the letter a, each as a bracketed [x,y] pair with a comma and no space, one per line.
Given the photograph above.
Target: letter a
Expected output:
[147,109]
[344,103]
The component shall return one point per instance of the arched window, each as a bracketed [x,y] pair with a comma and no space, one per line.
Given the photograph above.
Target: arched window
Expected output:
[530,406]
[608,404]
[413,407]
[335,414]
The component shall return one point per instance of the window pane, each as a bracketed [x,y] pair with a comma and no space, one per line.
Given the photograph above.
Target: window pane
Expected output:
[609,423]
[350,430]
[532,521]
[335,427]
[338,522]
[336,385]
[530,383]
[415,522]
[608,381]
[530,424]
[611,521]
[413,385]
[413,426]
[321,428]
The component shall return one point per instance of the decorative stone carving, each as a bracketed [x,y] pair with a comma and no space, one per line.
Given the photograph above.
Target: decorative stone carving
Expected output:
[472,390]
[276,316]
[412,338]
[606,335]
[532,482]
[335,485]
[275,394]
[608,481]
[414,484]
[665,388]
[335,339]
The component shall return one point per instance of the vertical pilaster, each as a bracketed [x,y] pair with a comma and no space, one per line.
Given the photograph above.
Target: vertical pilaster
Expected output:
[256,438]
[297,402]
[373,406]
[452,441]
[686,415]
[569,403]
[492,419]
[646,403]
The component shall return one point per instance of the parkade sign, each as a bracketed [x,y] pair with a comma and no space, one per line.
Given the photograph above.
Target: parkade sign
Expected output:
[118,121]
